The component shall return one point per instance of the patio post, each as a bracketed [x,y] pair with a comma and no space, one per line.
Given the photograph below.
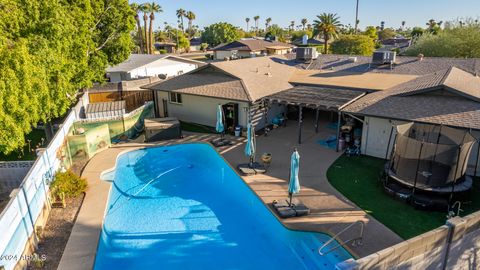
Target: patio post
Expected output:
[338,130]
[300,124]
[316,120]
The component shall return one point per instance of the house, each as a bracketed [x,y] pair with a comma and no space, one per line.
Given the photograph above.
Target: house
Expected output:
[397,43]
[345,89]
[195,44]
[167,47]
[238,85]
[249,48]
[148,65]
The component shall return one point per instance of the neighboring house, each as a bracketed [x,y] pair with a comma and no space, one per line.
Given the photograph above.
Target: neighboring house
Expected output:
[397,43]
[250,48]
[149,65]
[195,44]
[168,47]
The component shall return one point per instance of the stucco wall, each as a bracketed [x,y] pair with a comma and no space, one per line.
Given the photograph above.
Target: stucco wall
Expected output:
[198,109]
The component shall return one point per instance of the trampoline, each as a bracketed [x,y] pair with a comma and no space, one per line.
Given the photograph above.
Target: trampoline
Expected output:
[428,163]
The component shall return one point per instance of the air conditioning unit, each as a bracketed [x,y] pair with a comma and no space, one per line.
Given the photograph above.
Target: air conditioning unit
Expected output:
[383,57]
[306,53]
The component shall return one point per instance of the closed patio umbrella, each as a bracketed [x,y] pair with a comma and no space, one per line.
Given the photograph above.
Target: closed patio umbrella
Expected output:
[219,126]
[294,184]
[250,146]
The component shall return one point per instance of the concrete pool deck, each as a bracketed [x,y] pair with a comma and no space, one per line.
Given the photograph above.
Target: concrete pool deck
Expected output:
[331,212]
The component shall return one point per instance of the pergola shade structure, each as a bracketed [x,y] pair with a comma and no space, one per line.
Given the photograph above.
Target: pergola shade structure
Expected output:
[318,98]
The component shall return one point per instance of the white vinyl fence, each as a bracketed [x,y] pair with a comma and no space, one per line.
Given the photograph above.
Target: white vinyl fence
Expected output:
[24,208]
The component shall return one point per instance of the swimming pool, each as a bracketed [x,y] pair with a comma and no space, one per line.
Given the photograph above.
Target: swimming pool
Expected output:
[183,207]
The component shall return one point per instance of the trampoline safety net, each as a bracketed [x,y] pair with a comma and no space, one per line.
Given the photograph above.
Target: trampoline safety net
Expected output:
[429,155]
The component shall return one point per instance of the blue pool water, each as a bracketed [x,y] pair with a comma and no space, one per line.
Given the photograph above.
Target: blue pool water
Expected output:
[183,207]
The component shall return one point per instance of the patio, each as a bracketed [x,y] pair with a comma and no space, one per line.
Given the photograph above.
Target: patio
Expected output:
[331,212]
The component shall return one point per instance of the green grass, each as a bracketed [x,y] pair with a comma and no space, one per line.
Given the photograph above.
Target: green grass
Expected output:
[357,178]
[35,136]
[191,127]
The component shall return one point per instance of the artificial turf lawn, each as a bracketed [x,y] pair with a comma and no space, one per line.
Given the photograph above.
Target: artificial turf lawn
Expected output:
[35,136]
[195,128]
[357,178]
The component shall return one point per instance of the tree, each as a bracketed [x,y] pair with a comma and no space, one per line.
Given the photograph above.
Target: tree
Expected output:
[154,8]
[386,33]
[256,18]
[371,32]
[247,20]
[48,51]
[382,25]
[434,27]
[416,32]
[327,25]
[136,8]
[190,16]
[267,23]
[218,33]
[292,25]
[145,8]
[304,22]
[180,14]
[403,25]
[457,41]
[353,44]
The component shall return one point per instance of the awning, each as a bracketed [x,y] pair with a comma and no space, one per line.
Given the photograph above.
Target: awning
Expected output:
[315,97]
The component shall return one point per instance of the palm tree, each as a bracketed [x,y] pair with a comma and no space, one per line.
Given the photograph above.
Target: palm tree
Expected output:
[403,25]
[190,16]
[304,22]
[382,25]
[267,23]
[180,14]
[292,25]
[247,20]
[434,26]
[356,17]
[309,26]
[136,8]
[327,25]
[145,8]
[256,18]
[154,8]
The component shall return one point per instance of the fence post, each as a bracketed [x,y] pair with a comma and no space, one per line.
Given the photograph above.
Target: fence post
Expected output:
[35,240]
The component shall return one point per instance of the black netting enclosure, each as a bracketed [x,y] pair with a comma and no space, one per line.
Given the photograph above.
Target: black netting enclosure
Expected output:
[430,157]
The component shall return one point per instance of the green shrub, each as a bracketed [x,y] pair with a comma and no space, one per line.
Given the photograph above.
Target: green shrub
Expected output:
[162,51]
[69,184]
[353,44]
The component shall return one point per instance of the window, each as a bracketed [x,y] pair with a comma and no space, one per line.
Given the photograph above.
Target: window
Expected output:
[175,98]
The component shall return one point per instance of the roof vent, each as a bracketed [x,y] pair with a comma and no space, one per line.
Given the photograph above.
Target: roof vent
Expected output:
[268,74]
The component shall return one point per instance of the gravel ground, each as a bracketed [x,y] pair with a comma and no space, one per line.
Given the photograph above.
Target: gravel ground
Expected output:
[57,232]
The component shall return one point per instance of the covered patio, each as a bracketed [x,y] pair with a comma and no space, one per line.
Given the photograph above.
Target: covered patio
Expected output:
[317,100]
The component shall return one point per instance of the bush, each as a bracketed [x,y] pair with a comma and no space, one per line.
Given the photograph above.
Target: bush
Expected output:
[68,183]
[162,51]
[353,44]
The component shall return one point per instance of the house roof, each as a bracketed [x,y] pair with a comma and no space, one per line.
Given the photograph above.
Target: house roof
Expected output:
[135,61]
[323,98]
[250,45]
[248,79]
[404,64]
[450,97]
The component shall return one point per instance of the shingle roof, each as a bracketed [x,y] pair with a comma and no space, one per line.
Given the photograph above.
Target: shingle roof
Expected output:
[250,45]
[247,79]
[404,64]
[204,82]
[449,97]
[135,61]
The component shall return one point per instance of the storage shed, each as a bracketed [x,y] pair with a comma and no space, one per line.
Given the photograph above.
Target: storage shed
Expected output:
[105,109]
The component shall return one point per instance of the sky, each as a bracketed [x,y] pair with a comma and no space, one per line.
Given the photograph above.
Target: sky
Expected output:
[371,12]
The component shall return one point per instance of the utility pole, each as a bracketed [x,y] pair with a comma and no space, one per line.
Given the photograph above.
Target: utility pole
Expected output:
[356,18]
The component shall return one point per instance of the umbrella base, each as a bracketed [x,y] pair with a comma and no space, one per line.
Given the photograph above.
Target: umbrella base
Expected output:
[251,168]
[284,210]
[220,142]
